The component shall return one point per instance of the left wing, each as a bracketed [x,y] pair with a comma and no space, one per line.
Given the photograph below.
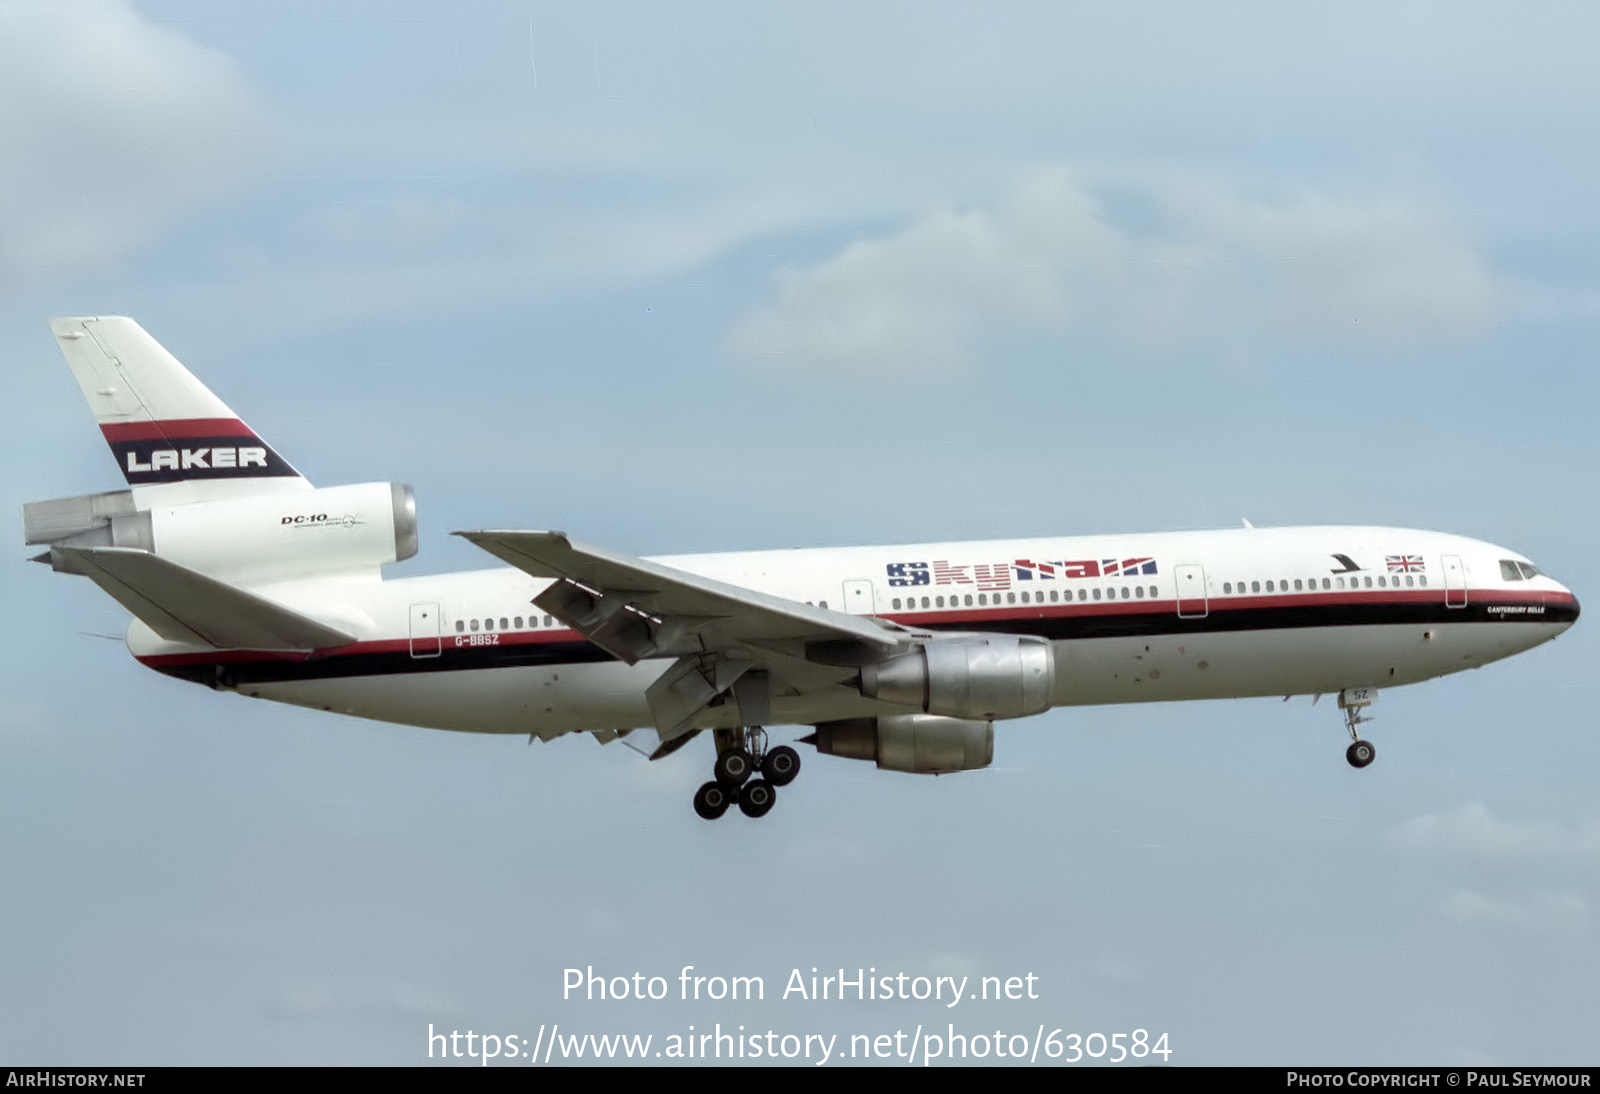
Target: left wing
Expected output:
[725,638]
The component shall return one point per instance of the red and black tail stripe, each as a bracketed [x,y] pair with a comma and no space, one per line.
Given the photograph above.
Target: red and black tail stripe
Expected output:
[180,449]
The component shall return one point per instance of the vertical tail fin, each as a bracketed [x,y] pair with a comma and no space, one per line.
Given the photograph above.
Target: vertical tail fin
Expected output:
[174,441]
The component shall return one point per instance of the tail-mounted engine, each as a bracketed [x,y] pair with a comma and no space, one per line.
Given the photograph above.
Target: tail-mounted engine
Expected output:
[256,538]
[922,744]
[970,676]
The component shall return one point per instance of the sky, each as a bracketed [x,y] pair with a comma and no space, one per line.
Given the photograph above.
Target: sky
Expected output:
[685,278]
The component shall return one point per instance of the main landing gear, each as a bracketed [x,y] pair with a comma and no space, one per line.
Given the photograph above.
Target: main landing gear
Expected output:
[740,754]
[1353,701]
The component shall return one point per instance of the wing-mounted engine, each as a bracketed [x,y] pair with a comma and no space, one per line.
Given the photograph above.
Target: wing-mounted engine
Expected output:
[923,744]
[968,676]
[250,539]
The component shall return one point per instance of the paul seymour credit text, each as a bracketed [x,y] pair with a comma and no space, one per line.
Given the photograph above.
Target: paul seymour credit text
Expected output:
[913,1043]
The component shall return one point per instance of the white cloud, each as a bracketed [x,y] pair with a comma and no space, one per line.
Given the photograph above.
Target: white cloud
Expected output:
[109,127]
[1395,269]
[1050,257]
[400,254]
[1563,911]
[1474,830]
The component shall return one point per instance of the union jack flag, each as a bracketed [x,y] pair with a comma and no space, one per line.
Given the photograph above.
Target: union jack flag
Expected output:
[1404,564]
[1128,567]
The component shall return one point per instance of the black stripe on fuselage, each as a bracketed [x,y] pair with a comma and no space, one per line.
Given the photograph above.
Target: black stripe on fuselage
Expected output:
[1162,619]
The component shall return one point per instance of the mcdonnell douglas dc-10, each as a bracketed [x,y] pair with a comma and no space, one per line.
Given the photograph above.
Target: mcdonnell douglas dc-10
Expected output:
[243,576]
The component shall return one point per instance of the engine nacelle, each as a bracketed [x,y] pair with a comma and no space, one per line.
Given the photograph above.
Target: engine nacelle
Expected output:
[923,744]
[970,676]
[257,538]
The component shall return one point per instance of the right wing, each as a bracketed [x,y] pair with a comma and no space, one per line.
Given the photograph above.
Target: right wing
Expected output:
[726,639]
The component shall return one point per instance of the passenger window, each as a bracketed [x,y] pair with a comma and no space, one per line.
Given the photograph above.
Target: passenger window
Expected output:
[1369,582]
[474,624]
[1152,590]
[1381,583]
[1297,584]
[1269,586]
[503,622]
[983,599]
[1125,593]
[460,626]
[924,602]
[1325,583]
[547,621]
[896,603]
[938,601]
[968,599]
[1255,586]
[1138,591]
[1410,580]
[1422,579]
[1097,593]
[1011,598]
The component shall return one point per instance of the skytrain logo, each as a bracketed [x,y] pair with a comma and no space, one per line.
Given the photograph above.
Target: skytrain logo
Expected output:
[999,576]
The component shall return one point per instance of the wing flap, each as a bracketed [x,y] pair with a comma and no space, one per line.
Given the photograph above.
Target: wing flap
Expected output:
[635,609]
[184,606]
[716,611]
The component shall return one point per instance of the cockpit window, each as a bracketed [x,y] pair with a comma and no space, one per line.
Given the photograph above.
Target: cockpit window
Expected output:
[1512,570]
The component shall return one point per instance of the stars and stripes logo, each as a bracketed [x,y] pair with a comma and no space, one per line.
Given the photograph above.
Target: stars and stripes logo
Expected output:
[996,578]
[1404,564]
[908,573]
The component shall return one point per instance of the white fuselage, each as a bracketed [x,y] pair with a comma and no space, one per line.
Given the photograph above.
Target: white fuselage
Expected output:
[1131,618]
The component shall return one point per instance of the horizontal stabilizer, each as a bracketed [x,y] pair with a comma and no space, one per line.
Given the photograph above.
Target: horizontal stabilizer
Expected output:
[184,606]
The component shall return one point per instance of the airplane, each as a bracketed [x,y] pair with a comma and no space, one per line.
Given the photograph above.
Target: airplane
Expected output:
[243,576]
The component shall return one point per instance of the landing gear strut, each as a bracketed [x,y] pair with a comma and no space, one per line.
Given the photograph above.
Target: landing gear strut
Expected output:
[741,753]
[1353,701]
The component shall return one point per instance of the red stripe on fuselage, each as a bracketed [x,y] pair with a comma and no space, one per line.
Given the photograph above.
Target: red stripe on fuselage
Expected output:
[1079,609]
[987,616]
[382,645]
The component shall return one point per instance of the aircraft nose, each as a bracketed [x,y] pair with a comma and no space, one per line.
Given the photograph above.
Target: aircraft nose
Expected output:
[1562,607]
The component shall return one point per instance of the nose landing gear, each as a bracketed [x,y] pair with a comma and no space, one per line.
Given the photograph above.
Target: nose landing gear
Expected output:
[742,753]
